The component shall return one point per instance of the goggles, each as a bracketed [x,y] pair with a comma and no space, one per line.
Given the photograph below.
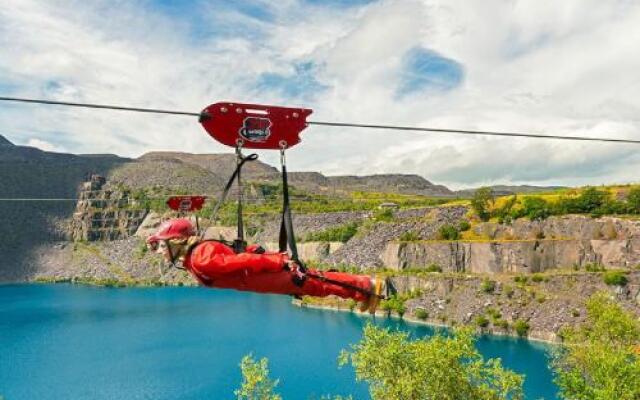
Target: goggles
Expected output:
[157,244]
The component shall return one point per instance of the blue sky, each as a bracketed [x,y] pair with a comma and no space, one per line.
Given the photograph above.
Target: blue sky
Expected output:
[496,64]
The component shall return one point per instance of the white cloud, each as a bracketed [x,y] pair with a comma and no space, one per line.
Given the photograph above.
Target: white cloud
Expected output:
[563,68]
[44,145]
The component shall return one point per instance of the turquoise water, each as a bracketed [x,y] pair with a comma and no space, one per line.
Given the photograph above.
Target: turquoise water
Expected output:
[77,342]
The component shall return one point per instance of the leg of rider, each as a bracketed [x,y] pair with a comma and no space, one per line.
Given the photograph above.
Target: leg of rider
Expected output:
[282,283]
[316,287]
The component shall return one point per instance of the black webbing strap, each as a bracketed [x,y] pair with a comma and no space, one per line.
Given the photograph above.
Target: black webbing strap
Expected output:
[287,237]
[239,245]
[225,193]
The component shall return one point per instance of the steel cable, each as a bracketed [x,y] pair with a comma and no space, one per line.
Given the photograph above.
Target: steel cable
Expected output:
[341,124]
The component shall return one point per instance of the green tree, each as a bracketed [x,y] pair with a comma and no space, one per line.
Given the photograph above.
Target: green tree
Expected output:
[598,359]
[256,384]
[439,367]
[535,208]
[482,201]
[634,200]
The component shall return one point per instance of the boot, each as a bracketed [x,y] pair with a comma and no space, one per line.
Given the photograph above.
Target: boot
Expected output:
[378,288]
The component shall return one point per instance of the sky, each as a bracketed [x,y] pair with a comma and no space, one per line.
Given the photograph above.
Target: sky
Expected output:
[566,67]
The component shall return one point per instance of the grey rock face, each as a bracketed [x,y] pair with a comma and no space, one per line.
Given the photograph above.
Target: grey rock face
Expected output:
[513,256]
[366,249]
[562,227]
[104,213]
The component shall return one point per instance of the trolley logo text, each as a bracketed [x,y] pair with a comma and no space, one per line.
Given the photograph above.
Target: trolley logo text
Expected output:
[256,129]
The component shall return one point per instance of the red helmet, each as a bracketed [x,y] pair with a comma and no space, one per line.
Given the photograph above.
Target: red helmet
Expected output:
[180,228]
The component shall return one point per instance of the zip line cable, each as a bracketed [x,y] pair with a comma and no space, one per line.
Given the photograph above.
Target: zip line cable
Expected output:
[470,132]
[340,124]
[101,106]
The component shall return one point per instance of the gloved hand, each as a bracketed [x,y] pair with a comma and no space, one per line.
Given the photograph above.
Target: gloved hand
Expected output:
[298,276]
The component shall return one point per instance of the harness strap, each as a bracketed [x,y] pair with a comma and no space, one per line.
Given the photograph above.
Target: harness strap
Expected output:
[239,244]
[287,236]
[236,174]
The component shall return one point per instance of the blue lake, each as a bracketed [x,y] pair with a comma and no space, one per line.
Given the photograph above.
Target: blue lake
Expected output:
[78,342]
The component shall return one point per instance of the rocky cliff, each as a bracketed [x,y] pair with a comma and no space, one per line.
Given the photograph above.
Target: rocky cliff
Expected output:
[104,213]
[30,173]
[527,246]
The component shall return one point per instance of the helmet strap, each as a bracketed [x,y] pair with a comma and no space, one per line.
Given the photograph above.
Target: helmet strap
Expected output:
[173,257]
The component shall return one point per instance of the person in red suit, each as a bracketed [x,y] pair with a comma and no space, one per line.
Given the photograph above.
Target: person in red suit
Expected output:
[216,264]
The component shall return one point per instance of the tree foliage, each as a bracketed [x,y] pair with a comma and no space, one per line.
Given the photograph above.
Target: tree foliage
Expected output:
[598,360]
[256,384]
[634,199]
[482,201]
[439,367]
[590,200]
[340,233]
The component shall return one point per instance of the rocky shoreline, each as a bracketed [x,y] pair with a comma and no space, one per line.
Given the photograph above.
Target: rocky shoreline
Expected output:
[534,307]
[415,321]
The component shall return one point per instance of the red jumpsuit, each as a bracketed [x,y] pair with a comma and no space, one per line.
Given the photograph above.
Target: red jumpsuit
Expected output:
[215,264]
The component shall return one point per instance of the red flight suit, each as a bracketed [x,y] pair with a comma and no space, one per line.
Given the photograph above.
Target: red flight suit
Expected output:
[215,264]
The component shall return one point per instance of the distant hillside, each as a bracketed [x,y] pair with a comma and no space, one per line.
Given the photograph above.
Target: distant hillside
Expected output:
[222,165]
[5,142]
[30,172]
[218,164]
[27,172]
[504,190]
[170,174]
[385,183]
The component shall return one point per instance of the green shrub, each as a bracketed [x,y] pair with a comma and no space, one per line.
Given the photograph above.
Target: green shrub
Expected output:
[448,232]
[488,286]
[508,291]
[575,313]
[502,324]
[409,236]
[482,321]
[520,279]
[535,208]
[464,225]
[394,303]
[493,313]
[594,267]
[385,215]
[615,278]
[421,313]
[537,278]
[506,212]
[634,200]
[521,327]
[433,268]
[141,250]
[341,233]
